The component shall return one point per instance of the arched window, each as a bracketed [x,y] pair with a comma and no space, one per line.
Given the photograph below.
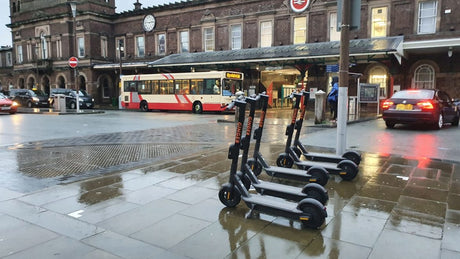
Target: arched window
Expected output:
[378,75]
[44,46]
[424,77]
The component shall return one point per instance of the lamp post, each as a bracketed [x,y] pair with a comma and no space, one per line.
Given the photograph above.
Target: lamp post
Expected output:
[37,50]
[120,52]
[73,7]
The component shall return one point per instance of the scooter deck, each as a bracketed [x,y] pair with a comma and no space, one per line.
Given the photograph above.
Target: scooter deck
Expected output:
[271,205]
[279,190]
[314,156]
[289,173]
[330,167]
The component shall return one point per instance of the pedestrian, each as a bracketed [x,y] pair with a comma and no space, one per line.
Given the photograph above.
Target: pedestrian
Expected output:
[332,97]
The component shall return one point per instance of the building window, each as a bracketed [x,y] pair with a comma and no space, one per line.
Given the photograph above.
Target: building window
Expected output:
[44,46]
[208,39]
[379,76]
[120,47]
[81,47]
[29,51]
[300,30]
[19,56]
[334,34]
[59,48]
[424,77]
[379,22]
[9,59]
[161,44]
[140,47]
[427,14]
[236,36]
[104,51]
[183,42]
[266,34]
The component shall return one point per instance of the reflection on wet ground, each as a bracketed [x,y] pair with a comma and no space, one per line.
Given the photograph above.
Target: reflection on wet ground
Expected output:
[397,207]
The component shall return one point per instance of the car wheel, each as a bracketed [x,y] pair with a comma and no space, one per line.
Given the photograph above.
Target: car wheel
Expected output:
[72,105]
[440,122]
[455,121]
[390,124]
[29,105]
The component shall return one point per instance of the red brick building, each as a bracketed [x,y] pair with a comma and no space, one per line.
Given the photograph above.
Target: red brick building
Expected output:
[400,44]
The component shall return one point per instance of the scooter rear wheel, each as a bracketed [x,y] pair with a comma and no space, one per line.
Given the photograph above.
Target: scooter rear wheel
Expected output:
[317,192]
[256,167]
[353,156]
[284,160]
[229,196]
[320,175]
[349,170]
[314,211]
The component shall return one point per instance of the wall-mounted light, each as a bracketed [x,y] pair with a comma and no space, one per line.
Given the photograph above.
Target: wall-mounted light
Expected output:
[449,52]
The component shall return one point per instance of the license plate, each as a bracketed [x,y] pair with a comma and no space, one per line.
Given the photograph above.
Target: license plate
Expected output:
[404,107]
[6,108]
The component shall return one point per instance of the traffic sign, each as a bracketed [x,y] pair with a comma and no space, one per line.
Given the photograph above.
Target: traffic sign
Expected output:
[73,62]
[299,6]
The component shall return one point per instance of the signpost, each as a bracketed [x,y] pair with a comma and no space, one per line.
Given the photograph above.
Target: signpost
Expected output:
[73,63]
[299,6]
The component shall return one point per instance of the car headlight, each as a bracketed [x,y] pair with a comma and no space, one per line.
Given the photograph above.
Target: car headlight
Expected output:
[92,100]
[35,99]
[14,104]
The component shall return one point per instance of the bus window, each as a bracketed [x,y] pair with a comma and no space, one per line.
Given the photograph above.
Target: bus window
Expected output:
[230,87]
[144,87]
[155,87]
[182,86]
[130,86]
[167,87]
[196,87]
[212,86]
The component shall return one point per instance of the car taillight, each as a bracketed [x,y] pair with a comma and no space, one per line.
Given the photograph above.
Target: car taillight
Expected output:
[387,104]
[426,105]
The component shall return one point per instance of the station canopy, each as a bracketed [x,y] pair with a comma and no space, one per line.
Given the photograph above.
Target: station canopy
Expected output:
[361,51]
[325,53]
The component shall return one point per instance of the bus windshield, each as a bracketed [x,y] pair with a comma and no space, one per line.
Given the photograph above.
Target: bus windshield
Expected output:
[230,87]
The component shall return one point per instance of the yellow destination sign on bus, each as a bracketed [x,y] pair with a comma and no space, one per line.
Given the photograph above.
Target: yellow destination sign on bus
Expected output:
[233,75]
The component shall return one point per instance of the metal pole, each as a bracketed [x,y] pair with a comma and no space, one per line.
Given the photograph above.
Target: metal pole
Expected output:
[73,6]
[343,79]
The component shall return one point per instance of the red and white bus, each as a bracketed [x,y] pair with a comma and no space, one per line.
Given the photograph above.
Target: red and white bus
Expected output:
[197,91]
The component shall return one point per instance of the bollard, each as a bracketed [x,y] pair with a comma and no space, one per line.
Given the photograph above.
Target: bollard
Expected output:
[320,106]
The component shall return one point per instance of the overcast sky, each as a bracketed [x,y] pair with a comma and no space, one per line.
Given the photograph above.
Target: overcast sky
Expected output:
[122,5]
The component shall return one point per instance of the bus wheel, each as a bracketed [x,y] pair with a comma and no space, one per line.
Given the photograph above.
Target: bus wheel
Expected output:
[197,107]
[144,106]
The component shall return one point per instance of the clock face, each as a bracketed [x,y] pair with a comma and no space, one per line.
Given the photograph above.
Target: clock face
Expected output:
[149,22]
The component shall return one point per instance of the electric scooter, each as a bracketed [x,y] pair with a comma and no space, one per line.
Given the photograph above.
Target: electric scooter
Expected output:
[311,190]
[309,211]
[300,149]
[345,168]
[314,174]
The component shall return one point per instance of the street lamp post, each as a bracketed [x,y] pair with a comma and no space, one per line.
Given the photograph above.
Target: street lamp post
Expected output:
[73,7]
[120,52]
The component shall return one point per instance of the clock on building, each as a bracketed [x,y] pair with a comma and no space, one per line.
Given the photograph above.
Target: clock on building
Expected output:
[149,22]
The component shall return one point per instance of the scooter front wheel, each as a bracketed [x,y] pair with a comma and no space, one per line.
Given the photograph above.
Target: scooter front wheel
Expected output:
[318,175]
[314,213]
[256,167]
[348,171]
[284,160]
[353,156]
[317,192]
[229,196]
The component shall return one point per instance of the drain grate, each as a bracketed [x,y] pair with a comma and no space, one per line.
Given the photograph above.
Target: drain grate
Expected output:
[67,161]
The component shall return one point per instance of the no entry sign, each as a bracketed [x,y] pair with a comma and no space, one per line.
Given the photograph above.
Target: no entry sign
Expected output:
[299,6]
[73,62]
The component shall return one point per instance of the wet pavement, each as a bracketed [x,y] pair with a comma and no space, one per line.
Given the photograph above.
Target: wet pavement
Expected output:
[120,196]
